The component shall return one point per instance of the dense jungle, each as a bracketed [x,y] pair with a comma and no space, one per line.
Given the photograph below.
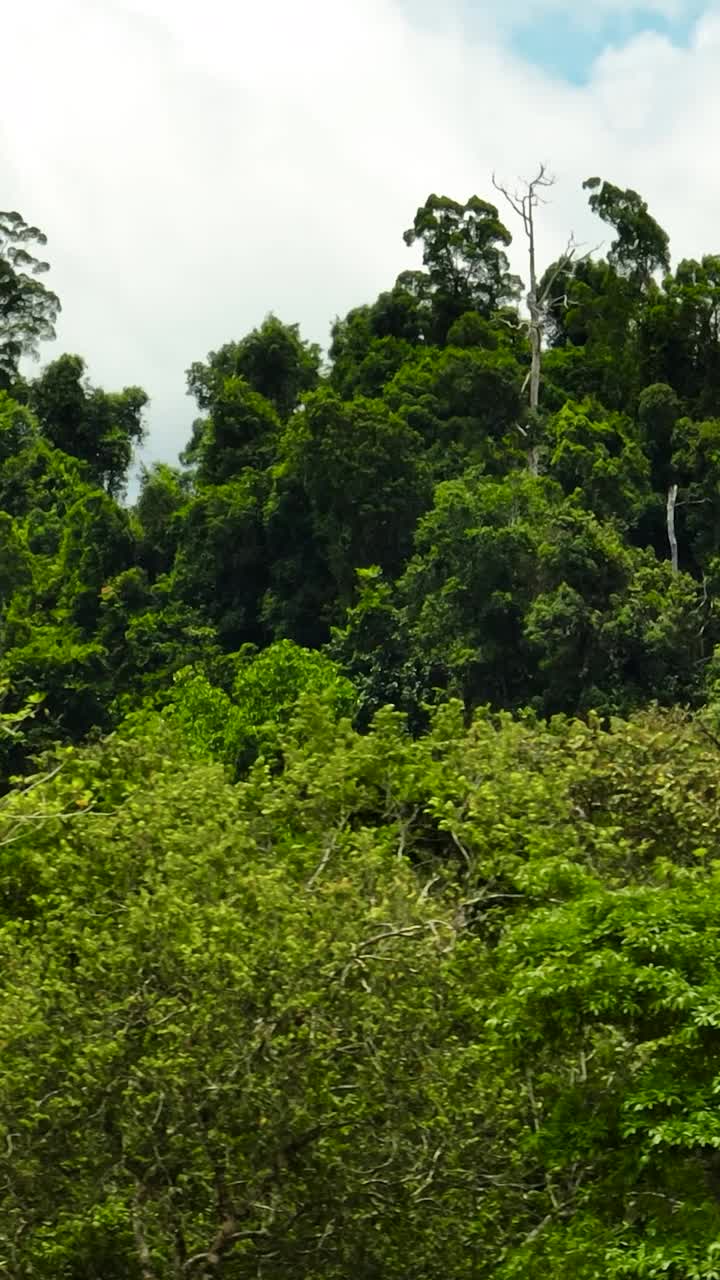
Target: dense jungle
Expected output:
[360,776]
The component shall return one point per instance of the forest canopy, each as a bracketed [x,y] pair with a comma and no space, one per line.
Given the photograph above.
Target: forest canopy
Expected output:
[358,908]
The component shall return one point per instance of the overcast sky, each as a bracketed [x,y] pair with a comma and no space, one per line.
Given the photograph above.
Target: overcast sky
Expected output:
[197,165]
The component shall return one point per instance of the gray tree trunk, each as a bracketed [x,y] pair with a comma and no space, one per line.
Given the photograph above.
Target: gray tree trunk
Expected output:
[672,536]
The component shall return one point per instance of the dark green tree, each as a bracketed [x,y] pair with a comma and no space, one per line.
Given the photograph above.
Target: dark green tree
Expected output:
[464,257]
[372,342]
[164,494]
[517,596]
[465,402]
[221,563]
[641,247]
[678,336]
[600,456]
[241,431]
[101,428]
[274,360]
[347,492]
[28,309]
[97,544]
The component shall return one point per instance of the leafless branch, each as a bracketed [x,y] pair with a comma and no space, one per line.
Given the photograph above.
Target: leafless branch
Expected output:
[426,1183]
[425,891]
[363,950]
[461,849]
[327,854]
[404,829]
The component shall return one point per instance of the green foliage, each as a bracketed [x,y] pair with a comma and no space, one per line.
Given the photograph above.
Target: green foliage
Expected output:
[150,640]
[406,457]
[219,566]
[463,252]
[600,456]
[226,1043]
[371,343]
[38,484]
[451,1000]
[517,596]
[97,544]
[658,411]
[268,685]
[68,671]
[465,404]
[15,562]
[240,433]
[695,463]
[18,429]
[349,486]
[374,647]
[101,428]
[15,732]
[274,360]
[679,335]
[158,514]
[210,723]
[305,970]
[265,691]
[641,246]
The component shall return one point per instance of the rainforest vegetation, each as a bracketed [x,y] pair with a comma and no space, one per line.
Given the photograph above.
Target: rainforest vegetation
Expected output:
[360,779]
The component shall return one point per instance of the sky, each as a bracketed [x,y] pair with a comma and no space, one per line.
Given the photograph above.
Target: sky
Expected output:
[197,166]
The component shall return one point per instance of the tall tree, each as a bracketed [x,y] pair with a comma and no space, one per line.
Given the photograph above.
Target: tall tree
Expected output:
[464,256]
[241,431]
[464,401]
[352,477]
[28,309]
[220,566]
[99,427]
[641,246]
[164,492]
[540,293]
[275,361]
[678,335]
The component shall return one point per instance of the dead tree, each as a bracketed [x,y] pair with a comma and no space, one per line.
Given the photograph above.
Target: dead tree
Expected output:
[672,535]
[539,296]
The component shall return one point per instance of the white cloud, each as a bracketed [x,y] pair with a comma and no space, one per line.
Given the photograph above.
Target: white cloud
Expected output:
[197,166]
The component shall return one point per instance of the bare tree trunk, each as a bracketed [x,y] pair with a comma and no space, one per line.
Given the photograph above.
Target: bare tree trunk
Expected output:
[538,301]
[524,206]
[536,337]
[672,536]
[141,1246]
[536,324]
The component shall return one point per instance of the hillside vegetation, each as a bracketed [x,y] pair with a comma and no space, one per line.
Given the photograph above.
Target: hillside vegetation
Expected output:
[360,781]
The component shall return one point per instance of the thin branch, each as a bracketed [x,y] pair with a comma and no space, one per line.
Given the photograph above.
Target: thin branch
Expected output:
[327,854]
[537,1124]
[461,850]
[400,932]
[433,1167]
[361,953]
[427,888]
[229,1231]
[44,777]
[404,829]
